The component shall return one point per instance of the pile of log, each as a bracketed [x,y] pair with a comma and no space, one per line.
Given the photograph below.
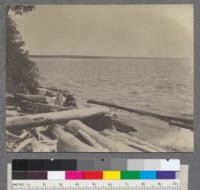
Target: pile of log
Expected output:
[68,131]
[13,111]
[31,104]
[35,123]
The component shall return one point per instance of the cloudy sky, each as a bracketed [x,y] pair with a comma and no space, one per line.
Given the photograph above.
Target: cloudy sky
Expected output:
[109,30]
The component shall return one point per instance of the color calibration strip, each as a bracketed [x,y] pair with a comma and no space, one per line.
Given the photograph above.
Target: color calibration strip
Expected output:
[115,174]
[93,175]
[102,165]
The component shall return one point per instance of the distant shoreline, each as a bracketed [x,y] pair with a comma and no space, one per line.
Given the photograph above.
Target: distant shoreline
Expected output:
[101,57]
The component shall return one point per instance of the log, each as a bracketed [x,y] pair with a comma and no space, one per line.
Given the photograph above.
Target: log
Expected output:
[75,125]
[140,147]
[22,145]
[30,121]
[8,95]
[180,124]
[68,142]
[32,98]
[91,141]
[12,135]
[132,140]
[141,112]
[35,107]
[11,107]
[12,113]
[9,99]
[38,146]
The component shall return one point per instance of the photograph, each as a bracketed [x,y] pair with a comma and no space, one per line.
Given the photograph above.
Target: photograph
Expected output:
[100,78]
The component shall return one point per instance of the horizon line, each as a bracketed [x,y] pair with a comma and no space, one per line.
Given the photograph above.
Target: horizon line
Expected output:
[103,56]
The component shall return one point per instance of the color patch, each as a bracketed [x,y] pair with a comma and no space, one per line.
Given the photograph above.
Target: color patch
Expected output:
[152,165]
[33,175]
[56,175]
[130,175]
[74,175]
[93,175]
[166,175]
[19,175]
[44,165]
[37,175]
[111,175]
[135,164]
[170,165]
[148,175]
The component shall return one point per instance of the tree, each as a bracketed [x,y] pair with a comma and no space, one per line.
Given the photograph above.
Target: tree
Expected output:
[22,73]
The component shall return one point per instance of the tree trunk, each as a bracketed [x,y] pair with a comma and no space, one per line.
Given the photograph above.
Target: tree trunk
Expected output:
[141,112]
[74,126]
[132,141]
[30,121]
[35,107]
[69,143]
[91,141]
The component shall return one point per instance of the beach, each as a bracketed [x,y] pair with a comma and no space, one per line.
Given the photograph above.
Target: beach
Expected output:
[153,109]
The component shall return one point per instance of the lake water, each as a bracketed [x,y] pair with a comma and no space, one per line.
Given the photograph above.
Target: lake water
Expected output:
[159,85]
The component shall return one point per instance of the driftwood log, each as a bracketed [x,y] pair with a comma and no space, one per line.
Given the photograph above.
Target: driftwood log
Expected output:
[91,141]
[146,113]
[32,98]
[69,143]
[131,141]
[22,145]
[181,124]
[74,126]
[30,121]
[36,107]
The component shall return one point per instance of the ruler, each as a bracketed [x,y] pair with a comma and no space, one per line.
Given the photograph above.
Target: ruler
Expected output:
[96,185]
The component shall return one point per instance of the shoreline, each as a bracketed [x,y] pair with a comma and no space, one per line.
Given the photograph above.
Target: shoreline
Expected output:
[141,129]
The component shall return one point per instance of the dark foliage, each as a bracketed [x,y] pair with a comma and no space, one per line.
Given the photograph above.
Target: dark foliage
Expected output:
[22,73]
[20,9]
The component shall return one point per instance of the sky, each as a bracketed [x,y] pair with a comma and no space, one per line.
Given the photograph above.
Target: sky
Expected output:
[109,30]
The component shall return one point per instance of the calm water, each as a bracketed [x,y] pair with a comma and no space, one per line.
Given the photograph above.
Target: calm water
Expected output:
[157,85]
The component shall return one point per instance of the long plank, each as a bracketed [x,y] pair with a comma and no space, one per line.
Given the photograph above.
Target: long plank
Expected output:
[141,112]
[30,121]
